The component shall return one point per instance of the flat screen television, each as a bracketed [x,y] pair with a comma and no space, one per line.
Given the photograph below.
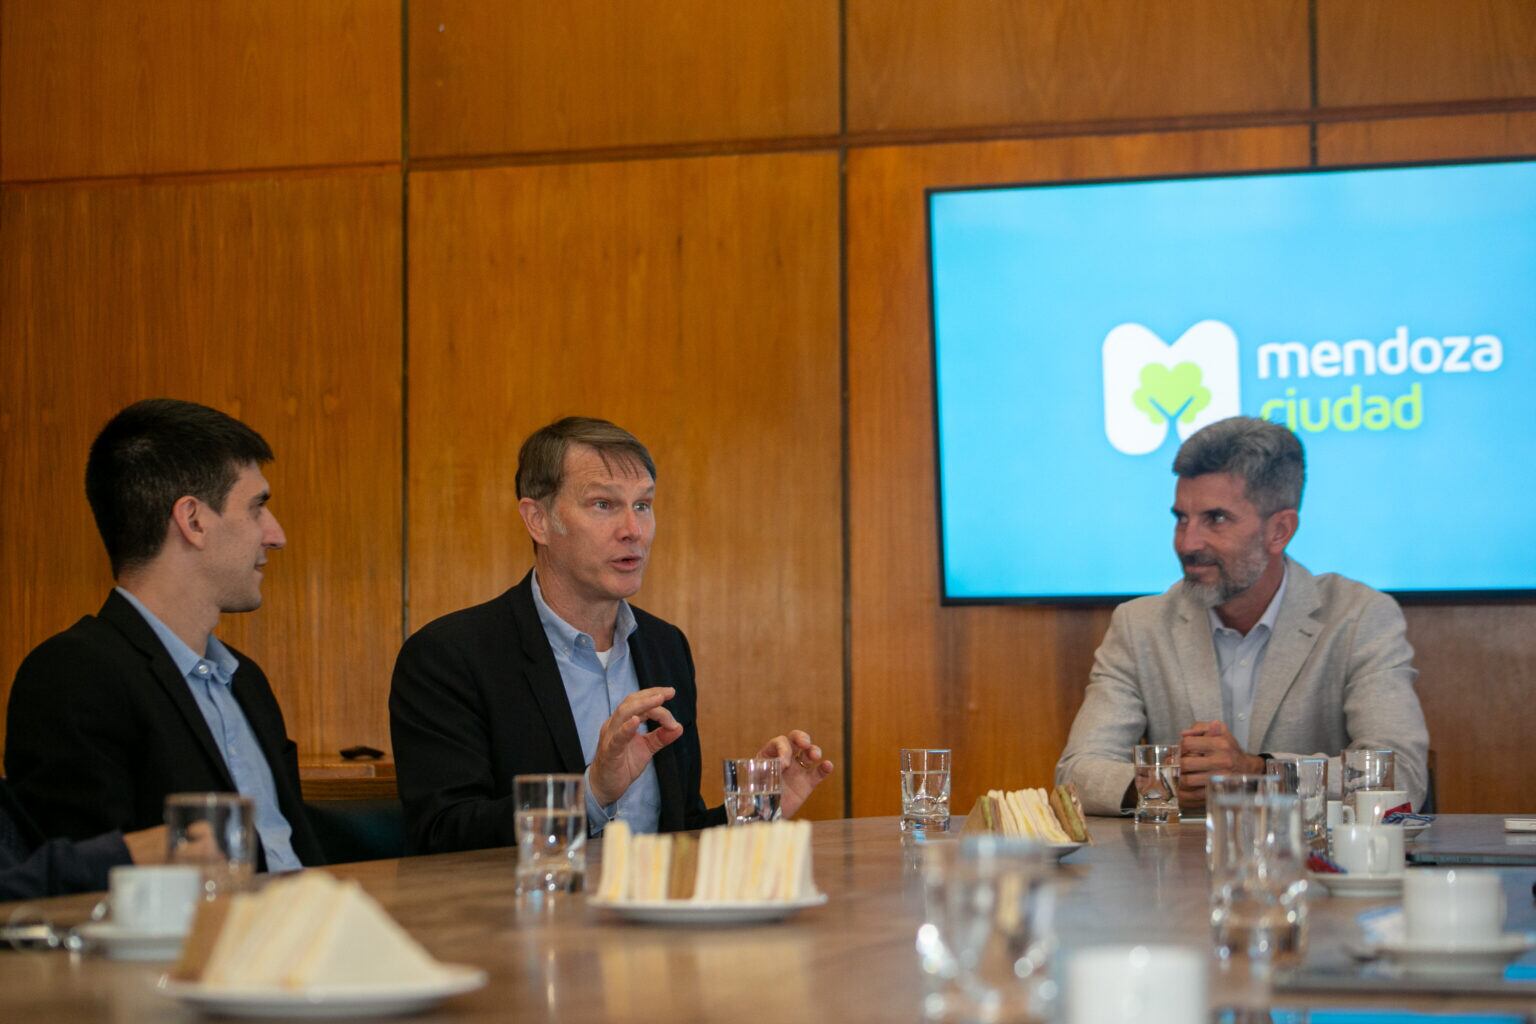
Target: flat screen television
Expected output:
[1082,330]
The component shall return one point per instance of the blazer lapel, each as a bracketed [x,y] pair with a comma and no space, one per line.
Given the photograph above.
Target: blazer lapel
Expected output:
[1197,660]
[665,759]
[131,624]
[1295,633]
[542,674]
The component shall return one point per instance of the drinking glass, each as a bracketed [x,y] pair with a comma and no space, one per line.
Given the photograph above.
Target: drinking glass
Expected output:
[989,935]
[925,778]
[754,789]
[1259,879]
[551,829]
[1157,783]
[1307,777]
[1235,783]
[1367,769]
[215,831]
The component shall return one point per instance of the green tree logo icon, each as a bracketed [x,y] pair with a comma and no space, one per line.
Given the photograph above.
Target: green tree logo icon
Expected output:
[1171,394]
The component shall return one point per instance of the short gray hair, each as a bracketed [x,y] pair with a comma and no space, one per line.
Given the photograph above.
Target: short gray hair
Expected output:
[1264,455]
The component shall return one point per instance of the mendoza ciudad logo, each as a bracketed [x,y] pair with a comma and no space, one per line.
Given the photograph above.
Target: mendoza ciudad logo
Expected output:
[1150,385]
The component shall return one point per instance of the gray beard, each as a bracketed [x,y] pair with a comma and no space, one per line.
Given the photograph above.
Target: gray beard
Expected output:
[1245,573]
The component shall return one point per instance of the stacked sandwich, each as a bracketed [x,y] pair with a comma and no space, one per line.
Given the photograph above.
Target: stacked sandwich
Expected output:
[308,932]
[765,862]
[1055,817]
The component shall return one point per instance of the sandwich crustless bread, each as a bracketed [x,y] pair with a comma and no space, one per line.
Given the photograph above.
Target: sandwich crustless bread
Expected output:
[764,862]
[1055,817]
[307,932]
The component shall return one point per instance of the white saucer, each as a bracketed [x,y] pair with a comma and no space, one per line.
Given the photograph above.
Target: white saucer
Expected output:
[374,1000]
[119,943]
[691,912]
[1061,851]
[1489,958]
[1358,885]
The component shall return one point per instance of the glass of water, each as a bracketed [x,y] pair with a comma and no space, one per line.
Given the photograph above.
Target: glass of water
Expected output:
[1157,783]
[1259,879]
[925,789]
[217,832]
[551,828]
[754,789]
[988,937]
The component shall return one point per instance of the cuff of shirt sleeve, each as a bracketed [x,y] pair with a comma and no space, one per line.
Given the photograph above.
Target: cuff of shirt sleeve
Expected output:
[598,815]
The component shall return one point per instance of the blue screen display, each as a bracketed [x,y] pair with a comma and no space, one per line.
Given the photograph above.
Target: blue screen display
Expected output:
[1387,316]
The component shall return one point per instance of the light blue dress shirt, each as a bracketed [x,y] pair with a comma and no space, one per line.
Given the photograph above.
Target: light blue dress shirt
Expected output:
[210,679]
[594,691]
[1239,659]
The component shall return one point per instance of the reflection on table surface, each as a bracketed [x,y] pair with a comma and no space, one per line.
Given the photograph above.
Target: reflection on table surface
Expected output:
[852,959]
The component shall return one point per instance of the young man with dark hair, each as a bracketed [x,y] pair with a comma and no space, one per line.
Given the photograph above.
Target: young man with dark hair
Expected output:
[142,700]
[561,673]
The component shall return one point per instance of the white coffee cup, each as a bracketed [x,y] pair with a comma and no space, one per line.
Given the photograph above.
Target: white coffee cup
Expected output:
[1369,849]
[1142,984]
[1371,804]
[154,899]
[1335,814]
[1453,907]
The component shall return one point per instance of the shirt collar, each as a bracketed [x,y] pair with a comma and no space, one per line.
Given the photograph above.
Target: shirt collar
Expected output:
[566,636]
[221,662]
[1271,614]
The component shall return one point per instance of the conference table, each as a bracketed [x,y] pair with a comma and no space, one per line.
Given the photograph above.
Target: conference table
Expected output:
[852,959]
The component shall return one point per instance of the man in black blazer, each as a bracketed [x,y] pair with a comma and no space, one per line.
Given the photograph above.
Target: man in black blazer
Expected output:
[141,700]
[561,674]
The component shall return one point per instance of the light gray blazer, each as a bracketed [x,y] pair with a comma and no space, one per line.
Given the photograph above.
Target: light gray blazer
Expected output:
[1338,673]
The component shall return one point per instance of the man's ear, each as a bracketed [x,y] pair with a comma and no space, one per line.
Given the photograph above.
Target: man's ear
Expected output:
[535,518]
[188,521]
[1279,530]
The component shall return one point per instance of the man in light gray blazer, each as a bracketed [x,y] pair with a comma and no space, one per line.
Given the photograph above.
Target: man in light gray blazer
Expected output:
[1250,656]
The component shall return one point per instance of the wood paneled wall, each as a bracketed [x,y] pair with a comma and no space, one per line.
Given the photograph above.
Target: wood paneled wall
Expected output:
[395,235]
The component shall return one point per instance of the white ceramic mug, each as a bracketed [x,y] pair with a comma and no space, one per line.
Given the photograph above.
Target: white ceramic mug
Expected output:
[1453,907]
[1142,984]
[1369,849]
[1371,804]
[154,899]
[1335,814]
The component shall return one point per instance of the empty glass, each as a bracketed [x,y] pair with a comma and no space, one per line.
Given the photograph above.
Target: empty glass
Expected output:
[925,779]
[1157,783]
[1259,879]
[551,829]
[988,938]
[1307,777]
[754,790]
[1367,769]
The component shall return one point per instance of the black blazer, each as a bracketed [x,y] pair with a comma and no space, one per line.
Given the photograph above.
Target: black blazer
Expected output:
[477,698]
[102,727]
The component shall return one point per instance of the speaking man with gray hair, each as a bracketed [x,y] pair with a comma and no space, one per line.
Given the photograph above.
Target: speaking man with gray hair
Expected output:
[561,673]
[1250,656]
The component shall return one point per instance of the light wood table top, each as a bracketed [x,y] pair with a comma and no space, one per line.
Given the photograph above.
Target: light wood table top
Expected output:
[852,959]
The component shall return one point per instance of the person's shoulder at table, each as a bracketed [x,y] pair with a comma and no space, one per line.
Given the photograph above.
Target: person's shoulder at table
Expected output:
[510,620]
[1329,597]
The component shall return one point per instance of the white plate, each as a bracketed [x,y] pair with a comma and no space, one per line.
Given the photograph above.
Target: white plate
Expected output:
[1484,959]
[1358,885]
[121,944]
[689,912]
[375,1000]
